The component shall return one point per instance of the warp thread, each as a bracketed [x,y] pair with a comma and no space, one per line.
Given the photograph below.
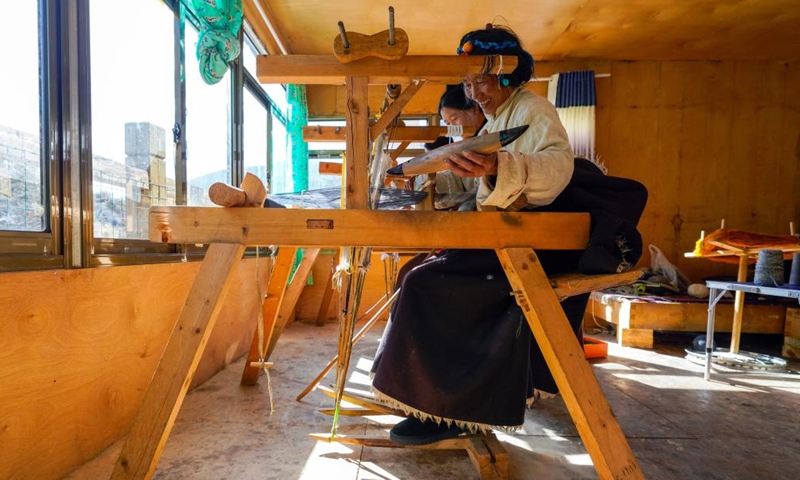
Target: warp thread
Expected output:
[769,268]
[794,276]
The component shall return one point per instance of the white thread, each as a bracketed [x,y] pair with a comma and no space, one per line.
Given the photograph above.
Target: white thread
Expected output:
[455,130]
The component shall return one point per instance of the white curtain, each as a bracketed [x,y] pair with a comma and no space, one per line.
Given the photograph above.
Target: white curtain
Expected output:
[573,94]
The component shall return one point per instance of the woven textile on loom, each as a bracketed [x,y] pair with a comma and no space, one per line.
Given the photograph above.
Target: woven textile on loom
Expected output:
[729,242]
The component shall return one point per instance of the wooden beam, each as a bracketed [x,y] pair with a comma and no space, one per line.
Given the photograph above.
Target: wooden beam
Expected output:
[596,423]
[377,228]
[276,291]
[171,380]
[292,295]
[395,109]
[325,303]
[399,134]
[327,70]
[570,284]
[394,154]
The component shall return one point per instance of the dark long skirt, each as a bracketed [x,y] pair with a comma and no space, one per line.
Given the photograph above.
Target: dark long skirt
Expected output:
[458,348]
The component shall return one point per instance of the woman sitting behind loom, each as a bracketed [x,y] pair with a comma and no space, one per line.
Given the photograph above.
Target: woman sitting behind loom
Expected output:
[457,354]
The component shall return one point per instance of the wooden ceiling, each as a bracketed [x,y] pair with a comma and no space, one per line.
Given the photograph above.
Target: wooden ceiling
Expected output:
[550,29]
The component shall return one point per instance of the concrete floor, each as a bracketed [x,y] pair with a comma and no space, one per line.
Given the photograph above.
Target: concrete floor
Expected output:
[741,425]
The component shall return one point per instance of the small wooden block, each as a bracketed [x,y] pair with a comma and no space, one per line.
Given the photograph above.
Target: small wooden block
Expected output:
[635,337]
[489,457]
[371,46]
[330,168]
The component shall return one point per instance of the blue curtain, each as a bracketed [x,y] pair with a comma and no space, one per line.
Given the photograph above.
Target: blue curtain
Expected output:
[576,89]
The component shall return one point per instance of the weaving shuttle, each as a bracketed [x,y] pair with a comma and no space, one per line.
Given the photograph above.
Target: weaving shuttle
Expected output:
[434,161]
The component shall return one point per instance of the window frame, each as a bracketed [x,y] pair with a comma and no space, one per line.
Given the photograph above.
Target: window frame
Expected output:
[66,148]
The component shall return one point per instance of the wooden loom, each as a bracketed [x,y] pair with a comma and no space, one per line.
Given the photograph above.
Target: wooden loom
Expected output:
[514,236]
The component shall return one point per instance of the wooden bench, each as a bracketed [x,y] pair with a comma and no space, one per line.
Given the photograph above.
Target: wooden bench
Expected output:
[636,320]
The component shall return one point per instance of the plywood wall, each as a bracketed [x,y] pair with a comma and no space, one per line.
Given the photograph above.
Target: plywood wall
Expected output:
[78,349]
[710,140]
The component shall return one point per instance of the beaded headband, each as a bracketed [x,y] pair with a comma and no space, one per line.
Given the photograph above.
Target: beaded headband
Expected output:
[468,46]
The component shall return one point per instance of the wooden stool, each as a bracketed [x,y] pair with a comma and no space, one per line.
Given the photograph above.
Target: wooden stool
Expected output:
[485,452]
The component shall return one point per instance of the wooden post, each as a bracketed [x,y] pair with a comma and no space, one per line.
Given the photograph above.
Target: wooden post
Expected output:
[738,304]
[576,382]
[357,147]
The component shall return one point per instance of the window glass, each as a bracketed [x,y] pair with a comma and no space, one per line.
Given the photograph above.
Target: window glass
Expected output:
[133,113]
[207,130]
[22,191]
[276,92]
[281,159]
[255,136]
[324,152]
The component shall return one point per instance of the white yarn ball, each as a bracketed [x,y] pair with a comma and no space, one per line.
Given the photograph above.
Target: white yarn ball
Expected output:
[697,290]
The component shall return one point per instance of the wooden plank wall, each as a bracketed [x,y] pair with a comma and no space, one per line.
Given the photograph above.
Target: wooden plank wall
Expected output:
[78,349]
[710,140]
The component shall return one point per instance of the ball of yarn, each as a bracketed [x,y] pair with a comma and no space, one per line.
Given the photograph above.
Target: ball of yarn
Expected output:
[699,343]
[769,268]
[697,290]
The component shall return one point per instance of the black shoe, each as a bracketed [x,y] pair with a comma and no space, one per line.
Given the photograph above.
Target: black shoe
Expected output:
[413,431]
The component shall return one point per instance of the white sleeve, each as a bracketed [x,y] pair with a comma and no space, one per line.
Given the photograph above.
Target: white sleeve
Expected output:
[538,165]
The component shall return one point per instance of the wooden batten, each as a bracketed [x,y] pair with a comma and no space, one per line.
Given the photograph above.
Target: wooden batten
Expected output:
[259,14]
[327,70]
[398,134]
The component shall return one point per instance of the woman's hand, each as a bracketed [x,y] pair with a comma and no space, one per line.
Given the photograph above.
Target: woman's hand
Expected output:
[471,164]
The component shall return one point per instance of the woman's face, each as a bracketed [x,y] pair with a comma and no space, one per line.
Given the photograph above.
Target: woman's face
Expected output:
[471,117]
[486,91]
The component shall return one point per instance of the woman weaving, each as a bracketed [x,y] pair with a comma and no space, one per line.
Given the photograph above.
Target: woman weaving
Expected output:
[457,354]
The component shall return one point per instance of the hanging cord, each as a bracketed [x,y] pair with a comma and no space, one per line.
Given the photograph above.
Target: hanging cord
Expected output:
[455,131]
[349,300]
[390,262]
[262,348]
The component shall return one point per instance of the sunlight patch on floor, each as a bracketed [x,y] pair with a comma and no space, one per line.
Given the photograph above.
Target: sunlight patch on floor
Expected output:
[682,382]
[580,459]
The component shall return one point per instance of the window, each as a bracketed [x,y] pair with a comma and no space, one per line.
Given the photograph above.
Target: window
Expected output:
[281,168]
[22,183]
[208,142]
[105,111]
[276,93]
[133,113]
[255,136]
